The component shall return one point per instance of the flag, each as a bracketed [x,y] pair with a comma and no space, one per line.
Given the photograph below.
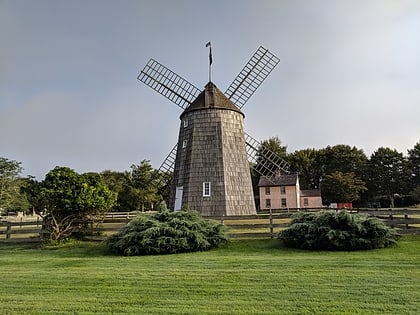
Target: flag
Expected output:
[210,54]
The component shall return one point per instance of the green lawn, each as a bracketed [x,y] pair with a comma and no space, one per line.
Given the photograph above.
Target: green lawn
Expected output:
[244,277]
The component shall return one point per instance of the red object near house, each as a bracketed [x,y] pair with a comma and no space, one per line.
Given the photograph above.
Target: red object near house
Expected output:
[345,205]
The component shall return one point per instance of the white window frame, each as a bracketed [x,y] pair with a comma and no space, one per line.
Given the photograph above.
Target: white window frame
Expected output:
[185,123]
[206,189]
[184,144]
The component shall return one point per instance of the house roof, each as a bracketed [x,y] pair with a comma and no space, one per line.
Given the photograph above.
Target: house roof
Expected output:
[278,180]
[212,97]
[310,193]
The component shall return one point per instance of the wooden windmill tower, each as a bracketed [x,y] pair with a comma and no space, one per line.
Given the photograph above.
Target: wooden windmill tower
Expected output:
[211,172]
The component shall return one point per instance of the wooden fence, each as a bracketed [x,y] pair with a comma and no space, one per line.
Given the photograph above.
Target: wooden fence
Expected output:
[262,225]
[269,224]
[27,229]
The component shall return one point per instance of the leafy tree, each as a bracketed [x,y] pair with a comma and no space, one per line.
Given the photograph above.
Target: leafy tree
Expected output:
[274,145]
[72,201]
[388,174]
[414,164]
[11,197]
[143,178]
[329,230]
[167,233]
[31,188]
[306,164]
[345,159]
[140,188]
[118,182]
[342,187]
[415,193]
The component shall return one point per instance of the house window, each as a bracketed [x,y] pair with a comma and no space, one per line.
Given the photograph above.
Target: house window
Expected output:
[305,202]
[184,144]
[206,189]
[267,190]
[283,190]
[283,202]
[268,203]
[185,123]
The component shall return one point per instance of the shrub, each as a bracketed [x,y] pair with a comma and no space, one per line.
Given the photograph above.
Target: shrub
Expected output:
[329,230]
[167,233]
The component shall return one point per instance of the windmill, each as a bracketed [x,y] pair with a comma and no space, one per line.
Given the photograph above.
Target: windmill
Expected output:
[210,166]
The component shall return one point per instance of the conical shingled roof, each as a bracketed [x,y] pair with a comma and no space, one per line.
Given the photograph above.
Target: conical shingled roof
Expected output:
[212,97]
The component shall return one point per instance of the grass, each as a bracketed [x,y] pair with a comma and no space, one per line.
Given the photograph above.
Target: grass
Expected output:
[243,277]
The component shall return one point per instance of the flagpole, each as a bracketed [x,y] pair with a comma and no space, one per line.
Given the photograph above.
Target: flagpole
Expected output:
[210,69]
[210,61]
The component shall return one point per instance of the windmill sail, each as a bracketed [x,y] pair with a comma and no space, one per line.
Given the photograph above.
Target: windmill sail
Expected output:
[168,83]
[168,164]
[267,163]
[202,170]
[252,75]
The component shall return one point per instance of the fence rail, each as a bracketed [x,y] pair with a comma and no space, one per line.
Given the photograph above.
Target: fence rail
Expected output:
[262,225]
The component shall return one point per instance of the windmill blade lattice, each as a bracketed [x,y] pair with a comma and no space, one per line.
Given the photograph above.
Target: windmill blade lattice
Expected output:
[168,83]
[252,75]
[267,163]
[167,166]
[169,163]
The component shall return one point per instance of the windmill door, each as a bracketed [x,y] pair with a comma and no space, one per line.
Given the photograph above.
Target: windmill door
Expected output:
[178,198]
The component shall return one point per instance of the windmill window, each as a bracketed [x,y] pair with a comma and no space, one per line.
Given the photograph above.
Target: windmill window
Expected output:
[283,190]
[268,203]
[184,144]
[305,202]
[206,189]
[185,123]
[267,190]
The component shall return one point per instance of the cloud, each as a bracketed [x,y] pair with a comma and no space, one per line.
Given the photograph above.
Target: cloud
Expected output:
[349,73]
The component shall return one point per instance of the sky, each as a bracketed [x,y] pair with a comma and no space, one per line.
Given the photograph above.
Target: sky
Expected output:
[69,95]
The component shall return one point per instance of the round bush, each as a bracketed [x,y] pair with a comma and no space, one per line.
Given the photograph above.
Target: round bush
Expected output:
[330,230]
[167,233]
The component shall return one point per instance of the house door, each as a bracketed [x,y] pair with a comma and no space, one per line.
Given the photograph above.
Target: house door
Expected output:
[178,198]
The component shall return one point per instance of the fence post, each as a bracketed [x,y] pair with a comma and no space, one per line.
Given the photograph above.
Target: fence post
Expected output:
[271,224]
[8,230]
[406,218]
[391,217]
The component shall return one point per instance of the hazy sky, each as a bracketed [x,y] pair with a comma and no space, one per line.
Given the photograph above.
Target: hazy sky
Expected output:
[349,74]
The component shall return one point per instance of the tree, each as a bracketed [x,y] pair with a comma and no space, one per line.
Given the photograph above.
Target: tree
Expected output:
[32,190]
[306,164]
[415,193]
[388,174]
[414,164]
[137,189]
[275,146]
[342,187]
[142,186]
[11,197]
[72,201]
[118,183]
[345,159]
